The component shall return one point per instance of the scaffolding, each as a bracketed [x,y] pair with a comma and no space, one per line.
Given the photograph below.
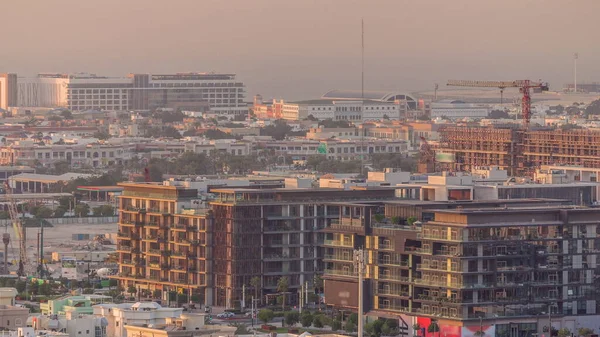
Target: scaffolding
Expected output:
[519,151]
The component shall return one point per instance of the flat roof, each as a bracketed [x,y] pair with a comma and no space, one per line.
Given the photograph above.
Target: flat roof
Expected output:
[101,188]
[410,202]
[38,196]
[48,178]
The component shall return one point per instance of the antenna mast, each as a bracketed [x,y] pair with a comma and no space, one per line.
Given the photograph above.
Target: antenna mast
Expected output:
[575,57]
[362,69]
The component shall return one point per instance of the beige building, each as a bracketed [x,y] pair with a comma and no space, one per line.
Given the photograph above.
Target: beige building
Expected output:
[11,316]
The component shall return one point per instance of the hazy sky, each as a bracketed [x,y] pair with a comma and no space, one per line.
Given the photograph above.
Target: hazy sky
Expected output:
[300,49]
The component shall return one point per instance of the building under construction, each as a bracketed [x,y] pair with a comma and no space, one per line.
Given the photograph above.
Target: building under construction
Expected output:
[516,150]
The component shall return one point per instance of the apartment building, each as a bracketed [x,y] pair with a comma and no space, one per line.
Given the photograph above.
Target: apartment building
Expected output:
[96,155]
[337,149]
[510,271]
[217,93]
[164,244]
[273,233]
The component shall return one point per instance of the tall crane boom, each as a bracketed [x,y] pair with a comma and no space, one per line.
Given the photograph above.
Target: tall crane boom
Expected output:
[19,228]
[524,86]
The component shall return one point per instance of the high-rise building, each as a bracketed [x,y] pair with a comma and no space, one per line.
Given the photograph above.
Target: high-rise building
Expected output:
[509,271]
[266,233]
[164,245]
[8,91]
[205,92]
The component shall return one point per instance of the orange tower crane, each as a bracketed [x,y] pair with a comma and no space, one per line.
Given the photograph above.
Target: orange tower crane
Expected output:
[524,86]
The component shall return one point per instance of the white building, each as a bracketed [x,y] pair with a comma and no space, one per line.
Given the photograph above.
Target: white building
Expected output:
[118,316]
[454,109]
[352,111]
[217,93]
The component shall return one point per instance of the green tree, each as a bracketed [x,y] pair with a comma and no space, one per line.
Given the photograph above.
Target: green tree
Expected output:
[97,211]
[66,114]
[350,326]
[255,284]
[132,290]
[278,130]
[216,134]
[59,212]
[291,318]
[374,328]
[306,319]
[282,287]
[416,329]
[318,320]
[265,315]
[4,215]
[584,332]
[564,332]
[107,210]
[43,212]
[329,123]
[102,135]
[20,286]
[336,325]
[241,329]
[82,210]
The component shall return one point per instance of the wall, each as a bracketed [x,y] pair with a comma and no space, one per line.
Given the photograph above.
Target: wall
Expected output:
[65,221]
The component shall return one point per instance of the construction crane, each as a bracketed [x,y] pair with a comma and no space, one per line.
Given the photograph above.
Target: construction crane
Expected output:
[524,86]
[19,228]
[426,157]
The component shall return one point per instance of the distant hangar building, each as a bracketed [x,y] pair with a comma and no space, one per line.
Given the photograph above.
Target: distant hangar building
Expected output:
[380,96]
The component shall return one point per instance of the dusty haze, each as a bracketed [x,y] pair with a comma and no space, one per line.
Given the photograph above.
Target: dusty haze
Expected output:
[299,49]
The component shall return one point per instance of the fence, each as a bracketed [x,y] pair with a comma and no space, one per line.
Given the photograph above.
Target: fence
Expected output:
[66,221]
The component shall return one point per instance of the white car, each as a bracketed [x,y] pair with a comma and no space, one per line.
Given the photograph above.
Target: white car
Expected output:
[226,314]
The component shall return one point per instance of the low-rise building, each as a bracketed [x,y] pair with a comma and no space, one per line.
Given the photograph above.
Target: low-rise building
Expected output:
[120,316]
[81,304]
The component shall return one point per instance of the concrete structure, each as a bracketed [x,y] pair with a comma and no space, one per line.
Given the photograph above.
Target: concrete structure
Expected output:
[120,316]
[187,325]
[379,96]
[13,317]
[41,183]
[78,305]
[7,296]
[517,151]
[8,91]
[454,109]
[163,243]
[8,171]
[337,149]
[501,269]
[219,93]
[356,111]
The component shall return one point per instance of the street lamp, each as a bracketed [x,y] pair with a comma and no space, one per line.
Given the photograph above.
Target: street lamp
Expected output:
[359,265]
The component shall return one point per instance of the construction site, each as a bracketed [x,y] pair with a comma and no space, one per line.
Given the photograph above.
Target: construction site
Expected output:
[519,151]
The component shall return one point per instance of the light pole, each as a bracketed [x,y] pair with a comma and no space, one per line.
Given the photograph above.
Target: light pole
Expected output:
[359,265]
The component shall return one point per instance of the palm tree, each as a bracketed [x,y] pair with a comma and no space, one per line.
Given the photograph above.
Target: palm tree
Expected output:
[282,287]
[416,328]
[255,283]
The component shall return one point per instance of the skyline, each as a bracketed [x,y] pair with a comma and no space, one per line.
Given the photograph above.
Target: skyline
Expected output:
[281,49]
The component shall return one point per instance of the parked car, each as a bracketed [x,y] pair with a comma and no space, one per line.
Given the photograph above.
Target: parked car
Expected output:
[225,315]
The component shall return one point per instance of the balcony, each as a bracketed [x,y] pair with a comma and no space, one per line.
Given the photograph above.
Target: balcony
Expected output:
[153,251]
[339,257]
[392,307]
[393,277]
[341,272]
[154,265]
[385,246]
[438,283]
[429,236]
[393,262]
[339,243]
[390,292]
